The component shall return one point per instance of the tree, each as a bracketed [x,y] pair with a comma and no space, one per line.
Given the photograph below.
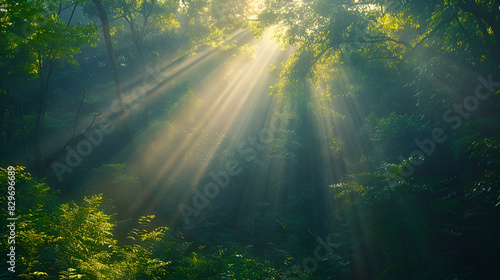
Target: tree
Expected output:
[394,32]
[116,76]
[140,18]
[35,37]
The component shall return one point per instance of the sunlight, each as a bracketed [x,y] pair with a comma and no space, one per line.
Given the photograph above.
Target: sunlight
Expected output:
[365,144]
[228,97]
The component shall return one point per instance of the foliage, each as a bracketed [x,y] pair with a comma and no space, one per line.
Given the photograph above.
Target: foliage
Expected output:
[138,19]
[222,264]
[76,241]
[421,210]
[34,203]
[396,134]
[210,22]
[355,167]
[33,31]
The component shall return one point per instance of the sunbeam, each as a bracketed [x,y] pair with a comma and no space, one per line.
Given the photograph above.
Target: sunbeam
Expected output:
[225,104]
[250,139]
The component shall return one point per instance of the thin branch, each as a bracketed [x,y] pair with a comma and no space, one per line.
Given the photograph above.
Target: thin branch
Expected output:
[61,151]
[90,125]
[46,92]
[383,57]
[66,7]
[78,114]
[379,39]
[184,33]
[20,113]
[385,38]
[481,13]
[435,30]
[483,29]
[146,17]
[127,12]
[72,13]
[116,18]
[463,29]
[417,45]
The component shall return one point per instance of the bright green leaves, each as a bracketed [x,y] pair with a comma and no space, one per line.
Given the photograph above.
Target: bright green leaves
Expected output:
[86,245]
[84,233]
[76,240]
[359,34]
[210,23]
[137,259]
[223,264]
[70,273]
[33,32]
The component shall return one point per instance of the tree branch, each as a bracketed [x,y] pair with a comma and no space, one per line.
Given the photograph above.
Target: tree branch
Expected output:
[383,57]
[385,38]
[51,160]
[146,17]
[78,114]
[430,34]
[72,13]
[462,27]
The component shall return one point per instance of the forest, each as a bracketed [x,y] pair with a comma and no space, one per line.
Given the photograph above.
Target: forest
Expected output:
[250,139]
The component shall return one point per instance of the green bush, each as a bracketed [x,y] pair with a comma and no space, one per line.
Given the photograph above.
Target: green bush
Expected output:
[75,241]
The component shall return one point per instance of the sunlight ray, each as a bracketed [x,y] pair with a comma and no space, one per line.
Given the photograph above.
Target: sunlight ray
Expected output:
[225,105]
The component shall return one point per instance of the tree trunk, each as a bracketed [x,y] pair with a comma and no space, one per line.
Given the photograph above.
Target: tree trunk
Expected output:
[116,76]
[40,114]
